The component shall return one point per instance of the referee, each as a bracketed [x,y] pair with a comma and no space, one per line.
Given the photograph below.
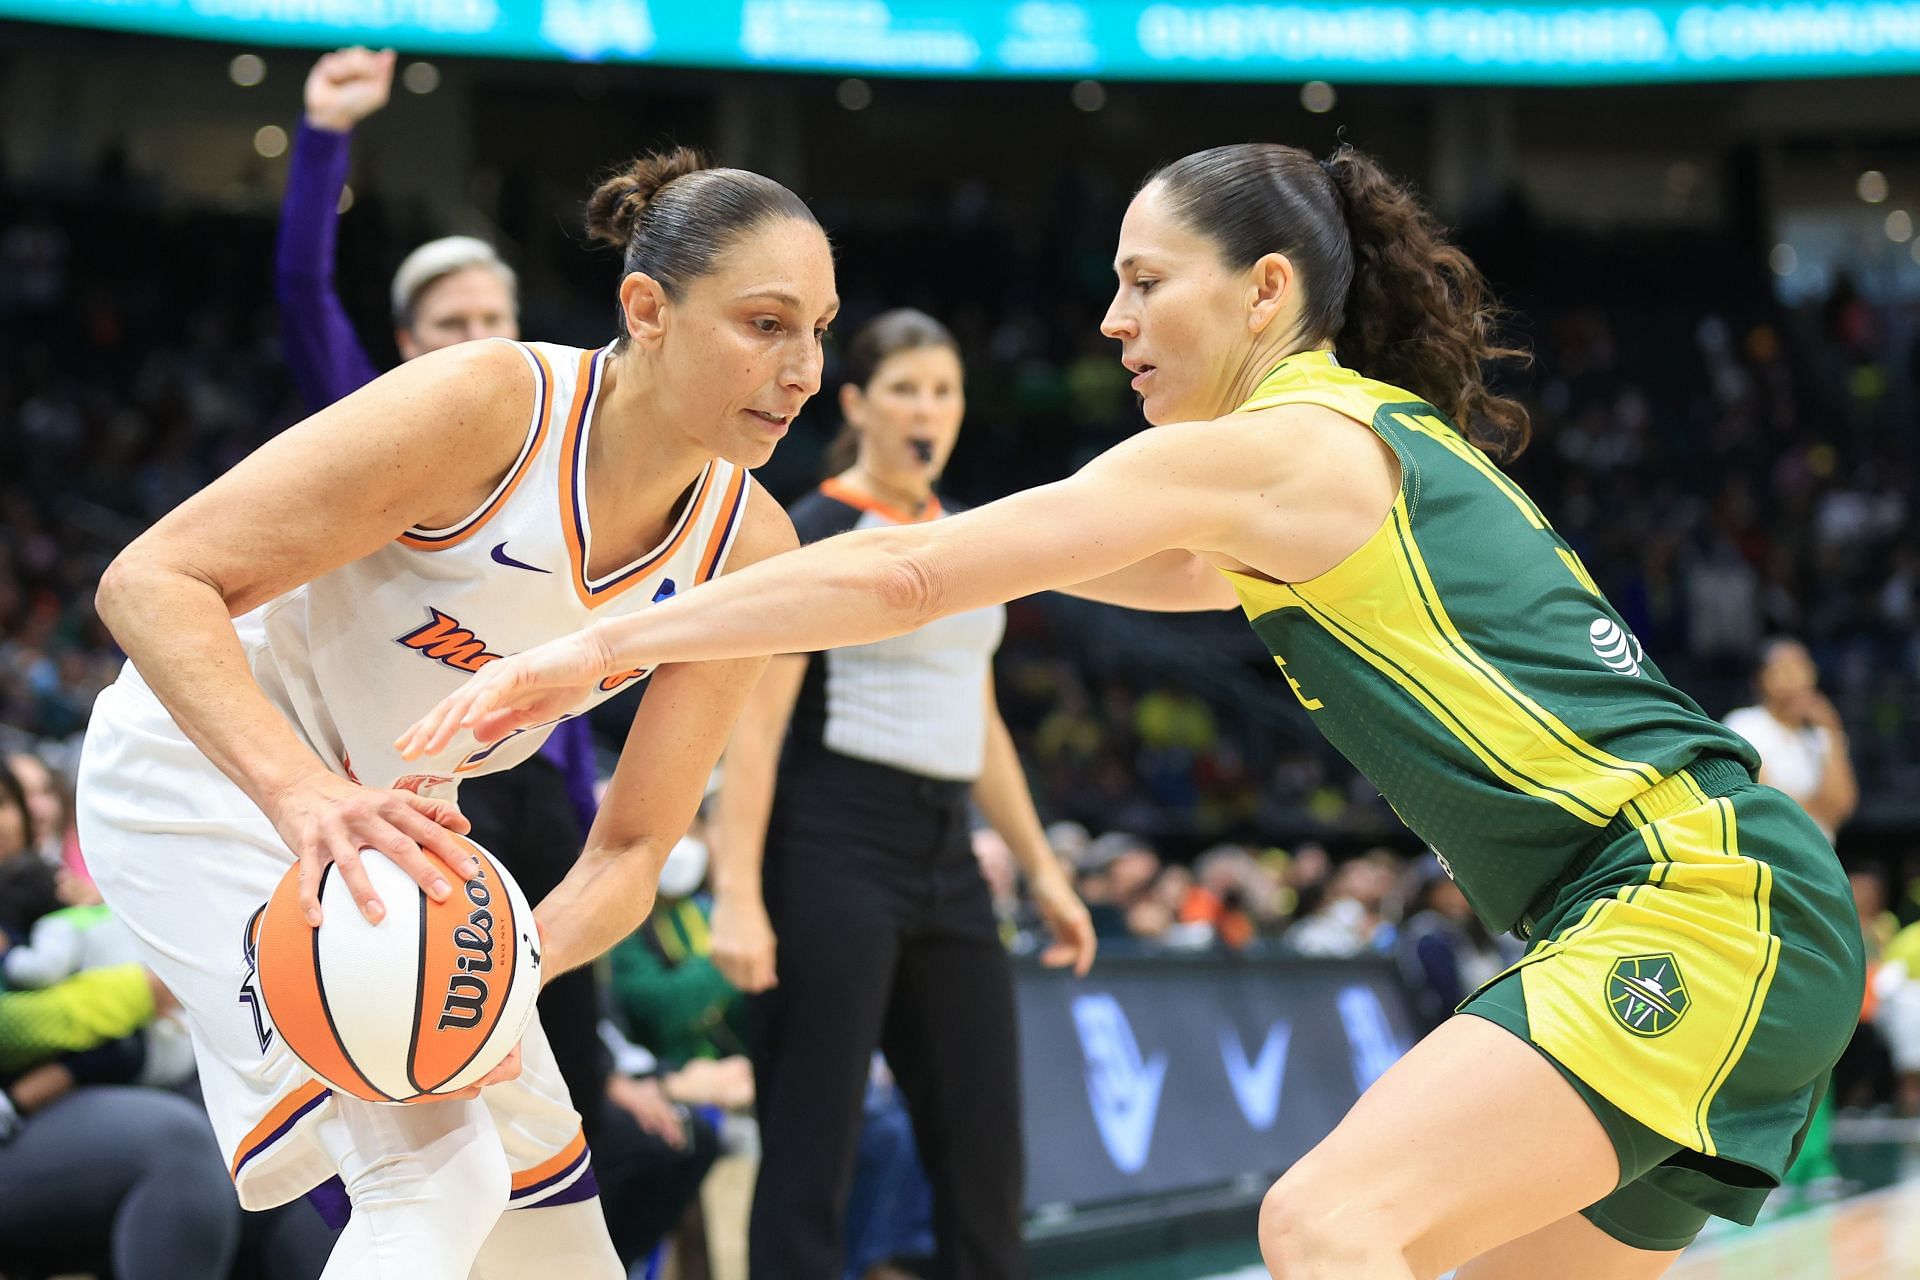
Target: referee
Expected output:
[850,847]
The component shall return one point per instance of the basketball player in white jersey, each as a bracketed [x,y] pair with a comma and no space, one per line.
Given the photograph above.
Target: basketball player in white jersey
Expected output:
[286,623]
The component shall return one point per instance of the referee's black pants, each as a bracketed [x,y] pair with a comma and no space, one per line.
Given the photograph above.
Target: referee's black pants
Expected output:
[887,940]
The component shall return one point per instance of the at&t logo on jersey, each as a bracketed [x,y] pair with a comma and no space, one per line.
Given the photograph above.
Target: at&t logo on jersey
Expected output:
[1616,647]
[445,641]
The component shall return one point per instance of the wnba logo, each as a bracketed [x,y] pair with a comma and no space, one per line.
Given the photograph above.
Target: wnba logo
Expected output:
[466,997]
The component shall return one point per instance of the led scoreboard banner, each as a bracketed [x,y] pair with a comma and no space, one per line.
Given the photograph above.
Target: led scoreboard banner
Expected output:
[1117,39]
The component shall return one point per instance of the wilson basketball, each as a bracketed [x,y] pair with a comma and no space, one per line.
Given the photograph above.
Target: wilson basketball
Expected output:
[422,1004]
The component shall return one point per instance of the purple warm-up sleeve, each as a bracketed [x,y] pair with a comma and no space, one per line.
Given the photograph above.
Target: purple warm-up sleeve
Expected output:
[324,355]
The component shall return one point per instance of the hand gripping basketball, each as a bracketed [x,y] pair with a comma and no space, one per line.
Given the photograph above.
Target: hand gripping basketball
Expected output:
[325,819]
[428,1004]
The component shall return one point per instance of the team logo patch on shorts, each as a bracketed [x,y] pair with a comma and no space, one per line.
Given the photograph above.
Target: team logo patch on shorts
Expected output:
[1647,994]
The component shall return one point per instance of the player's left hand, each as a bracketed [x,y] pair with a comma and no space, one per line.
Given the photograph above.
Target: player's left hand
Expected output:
[1073,939]
[530,688]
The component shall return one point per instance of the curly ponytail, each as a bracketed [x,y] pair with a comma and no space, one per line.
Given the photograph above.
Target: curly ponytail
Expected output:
[1419,313]
[1397,300]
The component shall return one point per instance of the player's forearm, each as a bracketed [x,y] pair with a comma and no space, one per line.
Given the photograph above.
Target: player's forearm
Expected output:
[177,631]
[606,895]
[852,589]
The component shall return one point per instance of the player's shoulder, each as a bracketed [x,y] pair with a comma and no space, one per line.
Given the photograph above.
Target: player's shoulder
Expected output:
[765,529]
[478,381]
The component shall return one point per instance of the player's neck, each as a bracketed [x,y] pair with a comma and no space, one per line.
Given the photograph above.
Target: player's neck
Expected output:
[634,446]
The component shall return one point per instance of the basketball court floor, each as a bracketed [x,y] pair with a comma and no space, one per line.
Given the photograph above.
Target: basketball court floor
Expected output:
[1874,1236]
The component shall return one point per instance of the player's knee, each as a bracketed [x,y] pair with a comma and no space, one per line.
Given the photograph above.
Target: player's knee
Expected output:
[478,1180]
[1292,1242]
[1304,1231]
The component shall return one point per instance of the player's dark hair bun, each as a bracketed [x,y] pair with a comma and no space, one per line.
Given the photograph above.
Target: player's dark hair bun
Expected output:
[616,204]
[672,214]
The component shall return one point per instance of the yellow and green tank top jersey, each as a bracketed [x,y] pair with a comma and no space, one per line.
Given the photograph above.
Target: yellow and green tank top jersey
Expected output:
[1464,660]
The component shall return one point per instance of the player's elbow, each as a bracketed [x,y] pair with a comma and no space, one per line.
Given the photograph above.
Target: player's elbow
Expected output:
[118,589]
[907,588]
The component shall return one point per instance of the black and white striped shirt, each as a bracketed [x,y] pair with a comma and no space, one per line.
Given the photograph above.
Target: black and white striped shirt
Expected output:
[915,702]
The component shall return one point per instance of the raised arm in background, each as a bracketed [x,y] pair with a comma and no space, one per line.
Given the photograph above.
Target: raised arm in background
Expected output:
[323,354]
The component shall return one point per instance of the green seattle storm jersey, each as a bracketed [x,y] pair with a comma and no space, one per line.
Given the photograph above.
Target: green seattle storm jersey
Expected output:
[1464,660]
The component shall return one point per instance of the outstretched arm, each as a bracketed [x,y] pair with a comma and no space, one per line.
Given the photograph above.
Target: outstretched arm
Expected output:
[1291,495]
[1145,496]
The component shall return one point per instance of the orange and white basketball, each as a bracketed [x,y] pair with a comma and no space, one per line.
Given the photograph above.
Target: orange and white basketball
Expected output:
[422,1004]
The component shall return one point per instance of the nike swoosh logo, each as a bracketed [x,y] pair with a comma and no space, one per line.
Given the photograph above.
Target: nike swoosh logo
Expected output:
[500,556]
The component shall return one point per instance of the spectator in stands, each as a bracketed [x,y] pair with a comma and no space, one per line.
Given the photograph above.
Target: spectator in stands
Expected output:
[29,885]
[671,995]
[87,1170]
[1351,921]
[49,811]
[1444,952]
[652,1153]
[1096,885]
[1168,898]
[1865,1075]
[1218,899]
[1802,744]
[447,291]
[1894,995]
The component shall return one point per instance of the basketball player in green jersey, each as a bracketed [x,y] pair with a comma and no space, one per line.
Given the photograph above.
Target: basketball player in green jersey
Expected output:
[1310,349]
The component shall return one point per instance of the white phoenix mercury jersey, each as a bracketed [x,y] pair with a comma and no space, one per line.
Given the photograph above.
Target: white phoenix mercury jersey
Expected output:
[357,655]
